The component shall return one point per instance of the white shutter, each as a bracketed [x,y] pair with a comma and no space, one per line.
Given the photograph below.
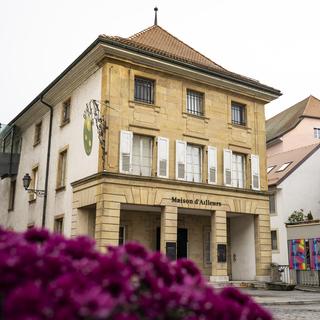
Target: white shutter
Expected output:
[227,167]
[255,172]
[125,151]
[212,165]
[181,152]
[163,157]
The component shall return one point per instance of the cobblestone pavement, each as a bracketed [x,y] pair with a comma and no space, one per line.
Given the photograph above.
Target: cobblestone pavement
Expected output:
[295,312]
[288,305]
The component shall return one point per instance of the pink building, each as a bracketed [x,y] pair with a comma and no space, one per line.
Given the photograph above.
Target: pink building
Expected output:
[295,127]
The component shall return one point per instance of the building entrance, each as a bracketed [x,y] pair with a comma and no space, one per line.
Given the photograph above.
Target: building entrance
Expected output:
[182,243]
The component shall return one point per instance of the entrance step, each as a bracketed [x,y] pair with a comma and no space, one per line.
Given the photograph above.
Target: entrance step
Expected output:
[240,284]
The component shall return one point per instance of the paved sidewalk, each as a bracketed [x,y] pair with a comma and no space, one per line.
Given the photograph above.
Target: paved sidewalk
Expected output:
[294,297]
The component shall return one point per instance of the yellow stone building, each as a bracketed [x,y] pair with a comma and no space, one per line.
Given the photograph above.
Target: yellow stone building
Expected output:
[180,166]
[185,168]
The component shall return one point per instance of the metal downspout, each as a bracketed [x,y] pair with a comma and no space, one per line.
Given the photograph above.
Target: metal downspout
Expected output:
[48,163]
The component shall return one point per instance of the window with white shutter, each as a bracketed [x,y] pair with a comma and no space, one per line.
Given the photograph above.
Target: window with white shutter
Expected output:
[125,151]
[193,163]
[163,157]
[255,172]
[212,165]
[142,155]
[238,164]
[181,152]
[227,167]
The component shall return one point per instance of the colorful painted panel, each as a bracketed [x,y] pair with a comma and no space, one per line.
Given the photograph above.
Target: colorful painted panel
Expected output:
[315,254]
[297,256]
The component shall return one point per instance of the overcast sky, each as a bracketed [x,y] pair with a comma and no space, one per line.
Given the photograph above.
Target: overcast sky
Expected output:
[274,41]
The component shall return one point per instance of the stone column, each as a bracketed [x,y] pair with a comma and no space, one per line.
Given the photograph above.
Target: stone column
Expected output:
[262,236]
[169,223]
[219,271]
[107,223]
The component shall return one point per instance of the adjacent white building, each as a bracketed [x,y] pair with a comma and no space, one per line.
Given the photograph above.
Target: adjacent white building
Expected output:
[293,168]
[294,180]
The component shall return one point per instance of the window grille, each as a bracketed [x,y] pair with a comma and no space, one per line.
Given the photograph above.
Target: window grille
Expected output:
[195,102]
[144,90]
[238,114]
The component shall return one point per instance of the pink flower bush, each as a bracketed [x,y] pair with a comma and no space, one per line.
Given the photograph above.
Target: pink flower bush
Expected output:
[46,276]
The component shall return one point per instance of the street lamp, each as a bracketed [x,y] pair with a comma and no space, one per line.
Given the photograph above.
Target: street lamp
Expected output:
[26,183]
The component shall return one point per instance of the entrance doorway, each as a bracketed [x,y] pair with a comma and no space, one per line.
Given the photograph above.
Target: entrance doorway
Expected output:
[242,248]
[182,242]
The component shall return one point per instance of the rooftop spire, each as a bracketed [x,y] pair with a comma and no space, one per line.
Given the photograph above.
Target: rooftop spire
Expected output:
[155,16]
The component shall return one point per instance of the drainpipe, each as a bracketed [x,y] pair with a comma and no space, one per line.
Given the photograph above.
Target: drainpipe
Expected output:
[47,165]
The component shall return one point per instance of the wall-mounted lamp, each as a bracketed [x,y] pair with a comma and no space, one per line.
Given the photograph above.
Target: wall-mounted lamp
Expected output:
[26,183]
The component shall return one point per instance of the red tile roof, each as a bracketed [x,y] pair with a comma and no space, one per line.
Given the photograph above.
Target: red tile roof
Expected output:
[158,41]
[295,157]
[289,118]
[162,40]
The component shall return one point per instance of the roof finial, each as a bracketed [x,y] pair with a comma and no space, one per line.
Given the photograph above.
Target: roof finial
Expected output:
[155,16]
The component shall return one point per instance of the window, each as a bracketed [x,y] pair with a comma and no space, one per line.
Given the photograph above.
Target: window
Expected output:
[269,169]
[122,235]
[12,194]
[65,116]
[37,133]
[195,102]
[34,183]
[316,133]
[58,225]
[193,163]
[142,155]
[272,203]
[91,224]
[207,246]
[144,90]
[284,166]
[62,165]
[238,174]
[238,113]
[274,240]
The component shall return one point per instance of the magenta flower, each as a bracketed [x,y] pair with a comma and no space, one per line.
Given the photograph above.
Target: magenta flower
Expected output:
[46,276]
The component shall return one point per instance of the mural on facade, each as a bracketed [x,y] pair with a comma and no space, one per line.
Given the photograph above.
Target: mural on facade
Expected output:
[315,254]
[87,133]
[304,254]
[297,257]
[92,114]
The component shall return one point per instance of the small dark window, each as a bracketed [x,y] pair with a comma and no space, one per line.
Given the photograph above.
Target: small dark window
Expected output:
[12,195]
[37,133]
[58,225]
[65,117]
[195,102]
[238,113]
[122,236]
[272,203]
[144,90]
[274,240]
